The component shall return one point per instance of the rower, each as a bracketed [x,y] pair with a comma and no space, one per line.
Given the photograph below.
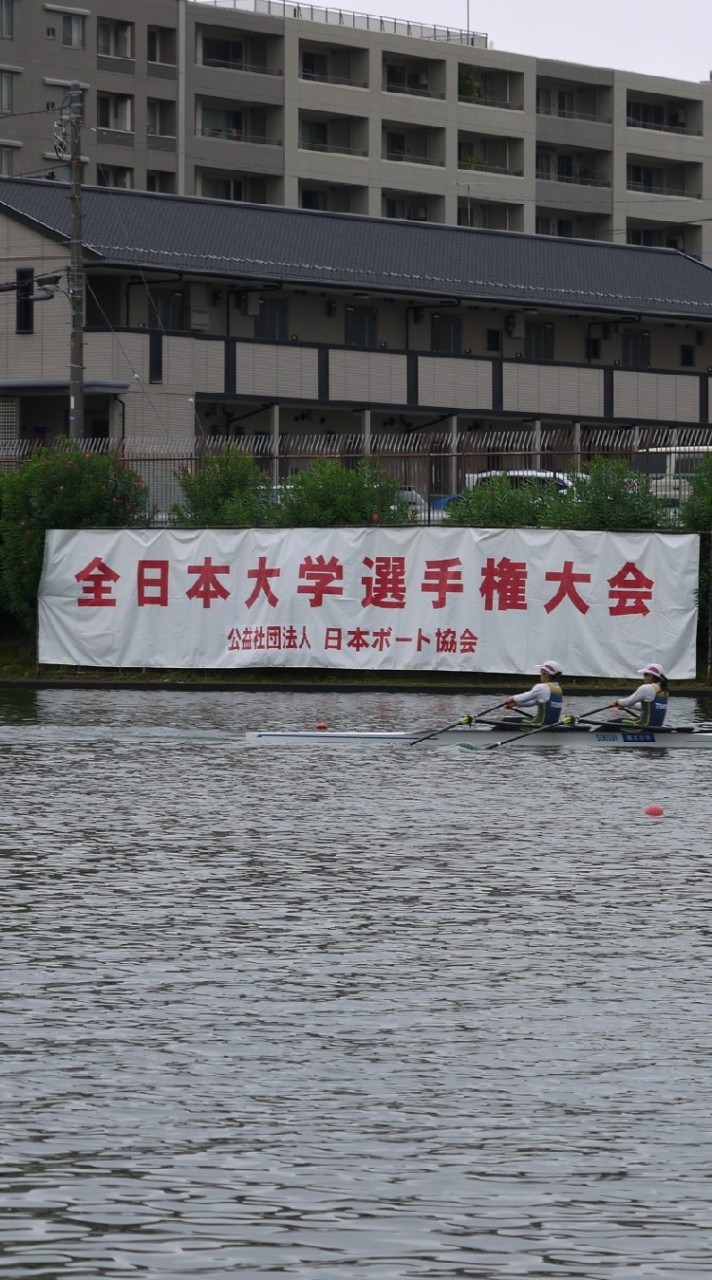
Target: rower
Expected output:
[546,695]
[650,699]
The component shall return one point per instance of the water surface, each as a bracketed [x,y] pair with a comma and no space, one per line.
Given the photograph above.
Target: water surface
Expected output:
[347,1013]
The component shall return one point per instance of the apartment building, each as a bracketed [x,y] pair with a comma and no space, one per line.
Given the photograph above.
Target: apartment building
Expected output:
[276,103]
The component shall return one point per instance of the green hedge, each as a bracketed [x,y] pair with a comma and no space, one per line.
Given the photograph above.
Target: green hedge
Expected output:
[59,489]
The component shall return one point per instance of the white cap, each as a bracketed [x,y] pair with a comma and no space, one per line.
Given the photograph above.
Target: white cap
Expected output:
[652,669]
[551,667]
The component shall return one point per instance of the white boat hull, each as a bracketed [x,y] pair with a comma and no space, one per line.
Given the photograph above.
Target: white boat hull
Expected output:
[481,738]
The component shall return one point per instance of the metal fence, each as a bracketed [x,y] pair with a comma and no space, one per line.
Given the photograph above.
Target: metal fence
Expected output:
[431,466]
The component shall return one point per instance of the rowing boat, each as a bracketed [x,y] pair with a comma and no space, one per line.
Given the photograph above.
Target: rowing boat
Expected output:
[481,737]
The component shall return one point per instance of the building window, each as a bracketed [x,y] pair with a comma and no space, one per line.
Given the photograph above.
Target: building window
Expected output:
[214,188]
[314,65]
[115,39]
[644,177]
[73,29]
[167,309]
[272,322]
[161,45]
[636,349]
[687,356]
[494,339]
[446,333]
[111,175]
[157,180]
[6,92]
[361,326]
[7,11]
[5,162]
[115,111]
[218,123]
[161,117]
[223,53]
[648,114]
[312,199]
[24,306]
[315,135]
[538,340]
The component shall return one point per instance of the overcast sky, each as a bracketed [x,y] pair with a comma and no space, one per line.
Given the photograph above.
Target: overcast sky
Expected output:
[653,36]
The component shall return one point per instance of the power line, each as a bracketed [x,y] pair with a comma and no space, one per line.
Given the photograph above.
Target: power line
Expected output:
[17,115]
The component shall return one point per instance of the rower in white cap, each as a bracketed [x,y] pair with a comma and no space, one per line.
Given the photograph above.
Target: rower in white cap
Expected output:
[546,695]
[649,701]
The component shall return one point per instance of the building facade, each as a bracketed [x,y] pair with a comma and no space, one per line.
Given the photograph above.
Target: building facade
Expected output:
[324,109]
[266,325]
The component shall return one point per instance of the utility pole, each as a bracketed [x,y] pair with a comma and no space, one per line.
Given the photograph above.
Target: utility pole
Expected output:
[69,147]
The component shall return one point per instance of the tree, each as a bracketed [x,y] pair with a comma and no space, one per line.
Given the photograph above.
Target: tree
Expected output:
[60,488]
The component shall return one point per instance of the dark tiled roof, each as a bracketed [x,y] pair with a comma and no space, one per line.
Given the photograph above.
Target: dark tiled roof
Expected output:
[143,231]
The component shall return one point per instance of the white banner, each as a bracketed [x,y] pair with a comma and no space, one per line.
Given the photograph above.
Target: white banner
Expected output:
[440,599]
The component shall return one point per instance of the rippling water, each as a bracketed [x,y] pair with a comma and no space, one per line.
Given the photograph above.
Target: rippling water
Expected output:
[347,1013]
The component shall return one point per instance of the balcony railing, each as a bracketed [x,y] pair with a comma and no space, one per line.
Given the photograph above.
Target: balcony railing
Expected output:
[486,100]
[580,178]
[586,116]
[486,166]
[331,148]
[405,157]
[415,90]
[346,81]
[227,64]
[346,18]
[241,135]
[667,127]
[653,189]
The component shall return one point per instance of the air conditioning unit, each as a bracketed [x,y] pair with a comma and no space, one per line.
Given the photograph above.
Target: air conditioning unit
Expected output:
[514,324]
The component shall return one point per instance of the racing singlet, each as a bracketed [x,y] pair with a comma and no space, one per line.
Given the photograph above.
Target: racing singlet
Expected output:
[652,714]
[549,712]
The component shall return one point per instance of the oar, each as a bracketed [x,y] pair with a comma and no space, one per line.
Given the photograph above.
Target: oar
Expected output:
[505,742]
[435,733]
[596,711]
[456,725]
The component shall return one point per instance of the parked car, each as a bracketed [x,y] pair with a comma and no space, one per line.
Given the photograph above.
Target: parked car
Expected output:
[669,471]
[517,479]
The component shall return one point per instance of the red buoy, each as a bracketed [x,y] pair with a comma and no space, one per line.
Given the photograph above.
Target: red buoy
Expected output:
[322,725]
[654,811]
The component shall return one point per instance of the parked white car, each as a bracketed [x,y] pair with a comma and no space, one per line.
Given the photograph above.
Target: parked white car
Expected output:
[519,478]
[419,509]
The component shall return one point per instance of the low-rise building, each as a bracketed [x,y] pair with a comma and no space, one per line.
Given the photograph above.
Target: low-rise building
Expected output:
[211,319]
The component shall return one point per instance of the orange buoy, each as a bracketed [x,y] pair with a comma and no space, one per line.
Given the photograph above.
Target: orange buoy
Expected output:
[323,725]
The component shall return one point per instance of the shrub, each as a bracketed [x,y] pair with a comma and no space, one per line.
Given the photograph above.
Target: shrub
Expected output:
[696,517]
[495,504]
[610,496]
[60,488]
[696,511]
[227,490]
[328,493]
